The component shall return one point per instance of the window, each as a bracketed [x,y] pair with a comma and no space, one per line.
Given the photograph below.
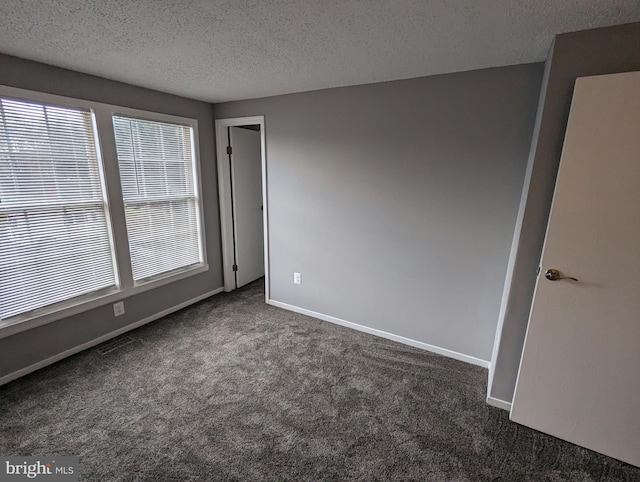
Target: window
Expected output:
[60,254]
[159,189]
[55,237]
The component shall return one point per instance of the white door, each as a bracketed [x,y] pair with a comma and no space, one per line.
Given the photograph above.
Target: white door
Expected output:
[579,376]
[246,187]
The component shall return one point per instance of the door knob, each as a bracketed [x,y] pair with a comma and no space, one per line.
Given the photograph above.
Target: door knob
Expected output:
[554,275]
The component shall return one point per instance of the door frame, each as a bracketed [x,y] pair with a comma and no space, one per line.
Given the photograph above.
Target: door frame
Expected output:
[226,201]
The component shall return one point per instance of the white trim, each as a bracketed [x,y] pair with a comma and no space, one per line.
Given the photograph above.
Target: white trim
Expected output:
[72,351]
[506,303]
[113,109]
[226,203]
[224,195]
[390,336]
[496,402]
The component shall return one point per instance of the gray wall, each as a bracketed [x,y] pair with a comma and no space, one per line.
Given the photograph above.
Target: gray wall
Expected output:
[579,54]
[21,350]
[397,201]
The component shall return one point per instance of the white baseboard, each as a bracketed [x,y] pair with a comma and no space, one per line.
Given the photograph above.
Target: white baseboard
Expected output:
[496,402]
[390,336]
[72,351]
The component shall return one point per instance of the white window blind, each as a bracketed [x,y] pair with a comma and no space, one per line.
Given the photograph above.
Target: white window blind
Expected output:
[55,243]
[158,176]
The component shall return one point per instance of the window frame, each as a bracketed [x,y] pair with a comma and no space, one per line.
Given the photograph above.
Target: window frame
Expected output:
[193,124]
[106,208]
[105,144]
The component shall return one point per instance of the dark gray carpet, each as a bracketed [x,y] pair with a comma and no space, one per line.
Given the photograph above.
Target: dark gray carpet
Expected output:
[233,389]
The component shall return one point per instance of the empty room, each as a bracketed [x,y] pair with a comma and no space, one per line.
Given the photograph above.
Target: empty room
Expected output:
[319,240]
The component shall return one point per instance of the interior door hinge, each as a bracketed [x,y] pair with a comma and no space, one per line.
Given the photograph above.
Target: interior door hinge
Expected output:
[229,150]
[235,267]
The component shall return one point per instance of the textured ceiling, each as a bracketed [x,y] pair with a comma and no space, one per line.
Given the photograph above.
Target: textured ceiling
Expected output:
[221,50]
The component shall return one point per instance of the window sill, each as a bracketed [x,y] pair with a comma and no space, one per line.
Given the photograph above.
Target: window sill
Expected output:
[11,327]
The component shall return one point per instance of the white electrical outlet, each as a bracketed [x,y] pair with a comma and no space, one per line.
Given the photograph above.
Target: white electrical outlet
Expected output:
[118,308]
[297,278]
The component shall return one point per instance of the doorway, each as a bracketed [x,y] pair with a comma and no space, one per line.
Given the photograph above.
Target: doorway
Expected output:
[241,160]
